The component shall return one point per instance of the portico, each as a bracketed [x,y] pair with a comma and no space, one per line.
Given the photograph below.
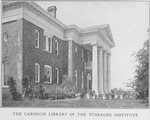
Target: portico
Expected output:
[100,70]
[98,40]
[101,42]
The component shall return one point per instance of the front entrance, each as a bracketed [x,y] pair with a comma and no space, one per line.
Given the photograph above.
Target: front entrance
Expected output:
[89,82]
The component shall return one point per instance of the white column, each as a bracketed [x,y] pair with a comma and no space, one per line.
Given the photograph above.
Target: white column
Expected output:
[70,66]
[109,74]
[95,69]
[101,71]
[105,72]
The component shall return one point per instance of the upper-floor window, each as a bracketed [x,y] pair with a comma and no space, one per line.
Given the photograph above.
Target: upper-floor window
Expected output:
[36,38]
[56,47]
[5,74]
[57,75]
[5,36]
[88,56]
[48,74]
[76,49]
[76,77]
[48,44]
[37,72]
[82,55]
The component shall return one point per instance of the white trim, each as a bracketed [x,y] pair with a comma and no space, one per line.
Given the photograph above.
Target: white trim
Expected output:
[5,86]
[38,72]
[45,26]
[46,43]
[36,31]
[50,68]
[57,75]
[4,74]
[11,18]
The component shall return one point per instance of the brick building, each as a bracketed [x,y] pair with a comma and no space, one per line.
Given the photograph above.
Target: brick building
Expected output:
[37,45]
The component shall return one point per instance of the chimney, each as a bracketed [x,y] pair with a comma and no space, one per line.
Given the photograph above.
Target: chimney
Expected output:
[52,10]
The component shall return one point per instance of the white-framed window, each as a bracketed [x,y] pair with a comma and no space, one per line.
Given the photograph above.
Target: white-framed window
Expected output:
[36,38]
[56,47]
[57,75]
[48,73]
[76,49]
[5,36]
[5,74]
[82,79]
[82,55]
[37,72]
[76,77]
[48,44]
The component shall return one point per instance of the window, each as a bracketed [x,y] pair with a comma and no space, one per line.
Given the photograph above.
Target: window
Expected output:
[82,78]
[37,72]
[48,44]
[48,74]
[57,75]
[76,78]
[56,47]
[76,49]
[82,55]
[5,74]
[89,57]
[36,38]
[5,37]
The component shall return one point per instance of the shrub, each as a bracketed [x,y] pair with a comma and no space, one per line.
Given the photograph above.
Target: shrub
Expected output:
[68,88]
[90,92]
[27,88]
[82,93]
[12,88]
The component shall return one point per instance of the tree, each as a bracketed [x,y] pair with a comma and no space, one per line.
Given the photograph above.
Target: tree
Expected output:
[140,81]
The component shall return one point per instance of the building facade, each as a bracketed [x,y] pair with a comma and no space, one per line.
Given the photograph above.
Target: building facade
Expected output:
[37,45]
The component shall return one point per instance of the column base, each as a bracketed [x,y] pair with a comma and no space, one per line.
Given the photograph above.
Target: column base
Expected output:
[96,95]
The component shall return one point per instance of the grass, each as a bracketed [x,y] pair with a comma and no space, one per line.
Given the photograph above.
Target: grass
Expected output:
[80,103]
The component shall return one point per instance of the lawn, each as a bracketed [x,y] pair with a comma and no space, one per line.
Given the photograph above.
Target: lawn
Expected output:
[78,103]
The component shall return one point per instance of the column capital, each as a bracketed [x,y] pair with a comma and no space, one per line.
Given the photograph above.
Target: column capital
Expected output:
[94,44]
[101,48]
[105,51]
[109,54]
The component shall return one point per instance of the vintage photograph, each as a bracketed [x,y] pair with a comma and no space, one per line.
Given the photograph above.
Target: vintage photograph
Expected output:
[75,54]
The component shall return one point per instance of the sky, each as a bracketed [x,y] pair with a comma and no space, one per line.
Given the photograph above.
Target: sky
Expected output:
[128,22]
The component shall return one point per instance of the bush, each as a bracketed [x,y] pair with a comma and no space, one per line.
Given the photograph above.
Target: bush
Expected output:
[12,88]
[27,88]
[68,88]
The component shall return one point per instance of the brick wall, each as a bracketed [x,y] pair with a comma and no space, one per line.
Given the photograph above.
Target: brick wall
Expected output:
[79,65]
[12,51]
[32,55]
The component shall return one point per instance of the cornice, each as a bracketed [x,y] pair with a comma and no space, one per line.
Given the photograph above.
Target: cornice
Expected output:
[38,10]
[45,15]
[73,28]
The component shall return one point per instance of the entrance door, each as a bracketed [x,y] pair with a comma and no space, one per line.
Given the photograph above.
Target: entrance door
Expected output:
[89,82]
